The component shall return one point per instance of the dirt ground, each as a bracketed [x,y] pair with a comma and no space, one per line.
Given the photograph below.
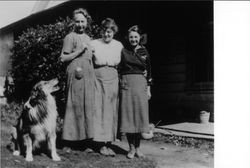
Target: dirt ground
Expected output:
[159,154]
[172,156]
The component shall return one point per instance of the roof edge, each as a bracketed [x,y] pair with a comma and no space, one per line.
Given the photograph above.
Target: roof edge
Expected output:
[31,15]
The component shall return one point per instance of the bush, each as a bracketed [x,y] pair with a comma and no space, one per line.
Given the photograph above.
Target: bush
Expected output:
[35,56]
[11,112]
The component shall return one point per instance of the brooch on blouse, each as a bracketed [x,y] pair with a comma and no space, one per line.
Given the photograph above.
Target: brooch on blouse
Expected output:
[144,57]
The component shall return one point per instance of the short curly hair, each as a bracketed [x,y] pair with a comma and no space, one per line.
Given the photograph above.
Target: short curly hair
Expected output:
[109,23]
[85,13]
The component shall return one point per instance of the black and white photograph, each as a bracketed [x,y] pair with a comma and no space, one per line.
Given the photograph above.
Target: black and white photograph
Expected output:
[110,84]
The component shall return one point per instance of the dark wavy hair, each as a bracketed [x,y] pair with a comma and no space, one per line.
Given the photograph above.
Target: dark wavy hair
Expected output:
[109,23]
[137,29]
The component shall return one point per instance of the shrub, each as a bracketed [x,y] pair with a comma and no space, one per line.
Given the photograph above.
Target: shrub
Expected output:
[35,56]
[10,112]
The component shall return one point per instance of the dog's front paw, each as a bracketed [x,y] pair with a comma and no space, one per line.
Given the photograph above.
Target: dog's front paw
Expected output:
[16,153]
[56,158]
[29,158]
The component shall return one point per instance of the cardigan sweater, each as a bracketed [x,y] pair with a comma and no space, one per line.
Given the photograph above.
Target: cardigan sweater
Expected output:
[136,62]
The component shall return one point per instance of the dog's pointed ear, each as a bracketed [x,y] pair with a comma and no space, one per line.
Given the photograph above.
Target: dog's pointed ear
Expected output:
[34,96]
[33,93]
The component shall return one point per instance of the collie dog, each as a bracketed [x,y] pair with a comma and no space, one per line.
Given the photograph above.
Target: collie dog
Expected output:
[37,122]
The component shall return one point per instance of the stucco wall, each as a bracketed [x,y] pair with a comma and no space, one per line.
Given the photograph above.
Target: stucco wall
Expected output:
[6,43]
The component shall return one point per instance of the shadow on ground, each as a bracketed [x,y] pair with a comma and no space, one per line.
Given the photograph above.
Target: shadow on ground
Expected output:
[77,158]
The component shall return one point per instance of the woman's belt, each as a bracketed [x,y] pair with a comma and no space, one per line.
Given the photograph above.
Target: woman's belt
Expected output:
[100,66]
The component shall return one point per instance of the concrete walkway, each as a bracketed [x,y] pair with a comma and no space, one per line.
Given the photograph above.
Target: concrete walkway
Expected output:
[172,156]
[195,130]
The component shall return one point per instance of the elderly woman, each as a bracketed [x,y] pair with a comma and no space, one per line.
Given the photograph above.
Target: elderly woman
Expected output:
[107,55]
[77,53]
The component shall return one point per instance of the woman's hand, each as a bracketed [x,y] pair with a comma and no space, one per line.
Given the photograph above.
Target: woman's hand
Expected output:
[92,49]
[145,73]
[77,53]
[141,51]
[148,92]
[82,48]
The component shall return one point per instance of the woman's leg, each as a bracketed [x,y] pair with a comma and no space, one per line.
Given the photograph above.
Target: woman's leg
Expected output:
[138,152]
[131,142]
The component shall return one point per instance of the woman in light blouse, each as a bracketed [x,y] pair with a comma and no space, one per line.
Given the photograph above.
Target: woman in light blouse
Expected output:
[107,55]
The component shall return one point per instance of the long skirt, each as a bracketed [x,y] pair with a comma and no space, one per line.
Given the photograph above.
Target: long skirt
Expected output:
[78,120]
[106,104]
[134,104]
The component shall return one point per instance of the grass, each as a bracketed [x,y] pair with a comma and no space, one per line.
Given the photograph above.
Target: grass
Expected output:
[10,112]
[78,158]
[75,159]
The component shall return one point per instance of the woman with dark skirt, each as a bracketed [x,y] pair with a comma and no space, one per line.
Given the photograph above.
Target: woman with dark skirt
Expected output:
[135,71]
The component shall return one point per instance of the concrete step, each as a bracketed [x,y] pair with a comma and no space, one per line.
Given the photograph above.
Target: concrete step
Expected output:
[187,129]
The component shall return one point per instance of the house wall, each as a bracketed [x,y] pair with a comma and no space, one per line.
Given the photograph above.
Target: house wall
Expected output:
[173,99]
[6,43]
[176,96]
